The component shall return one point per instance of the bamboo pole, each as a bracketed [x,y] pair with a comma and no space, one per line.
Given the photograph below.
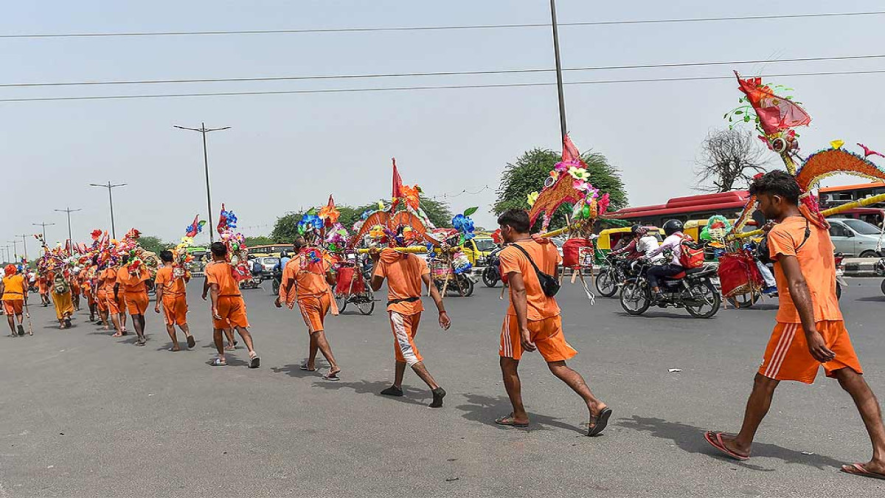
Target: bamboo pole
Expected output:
[829,212]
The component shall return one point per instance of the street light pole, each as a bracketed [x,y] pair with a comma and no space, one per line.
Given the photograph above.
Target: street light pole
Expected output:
[15,247]
[110,187]
[562,124]
[203,130]
[24,237]
[43,225]
[69,211]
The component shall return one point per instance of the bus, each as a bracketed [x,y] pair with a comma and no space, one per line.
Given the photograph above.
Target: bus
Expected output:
[695,207]
[269,250]
[873,214]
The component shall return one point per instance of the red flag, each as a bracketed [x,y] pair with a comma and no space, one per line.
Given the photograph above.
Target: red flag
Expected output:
[775,113]
[570,152]
[397,188]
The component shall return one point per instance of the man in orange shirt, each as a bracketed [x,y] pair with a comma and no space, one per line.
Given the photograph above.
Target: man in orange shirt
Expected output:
[101,298]
[131,277]
[112,299]
[306,279]
[228,330]
[405,273]
[809,332]
[228,307]
[533,321]
[43,287]
[170,284]
[86,287]
[14,291]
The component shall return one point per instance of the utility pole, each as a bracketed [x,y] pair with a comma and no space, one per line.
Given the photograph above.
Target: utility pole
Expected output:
[562,123]
[69,211]
[110,187]
[203,130]
[24,237]
[15,247]
[5,253]
[43,225]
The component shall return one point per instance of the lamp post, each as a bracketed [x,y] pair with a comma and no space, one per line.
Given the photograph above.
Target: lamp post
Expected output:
[43,226]
[69,211]
[110,188]
[562,124]
[203,130]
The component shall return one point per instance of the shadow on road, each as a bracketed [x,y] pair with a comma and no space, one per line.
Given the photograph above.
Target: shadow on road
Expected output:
[485,409]
[294,370]
[691,439]
[411,395]
[871,299]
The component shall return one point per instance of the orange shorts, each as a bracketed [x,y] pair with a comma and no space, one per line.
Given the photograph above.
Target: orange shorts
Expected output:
[137,302]
[404,329]
[115,306]
[13,306]
[787,356]
[233,313]
[546,334]
[175,309]
[101,299]
[314,310]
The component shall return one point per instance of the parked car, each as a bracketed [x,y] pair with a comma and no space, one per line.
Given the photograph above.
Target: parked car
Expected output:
[855,238]
[268,262]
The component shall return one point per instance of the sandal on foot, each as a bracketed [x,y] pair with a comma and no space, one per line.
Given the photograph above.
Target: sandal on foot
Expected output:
[254,360]
[306,368]
[392,391]
[858,469]
[333,377]
[218,362]
[601,422]
[438,395]
[509,421]
[173,349]
[191,342]
[715,440]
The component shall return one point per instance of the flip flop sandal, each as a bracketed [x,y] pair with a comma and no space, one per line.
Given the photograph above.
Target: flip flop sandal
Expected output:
[173,350]
[333,377]
[218,362]
[304,367]
[191,342]
[601,422]
[508,421]
[254,361]
[858,469]
[140,343]
[715,440]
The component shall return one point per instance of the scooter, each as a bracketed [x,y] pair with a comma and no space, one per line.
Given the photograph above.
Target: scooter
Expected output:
[491,275]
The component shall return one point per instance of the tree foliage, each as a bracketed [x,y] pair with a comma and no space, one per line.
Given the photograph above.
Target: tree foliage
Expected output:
[528,172]
[729,159]
[259,240]
[153,244]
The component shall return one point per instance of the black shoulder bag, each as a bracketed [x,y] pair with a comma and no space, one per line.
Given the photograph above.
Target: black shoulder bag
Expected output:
[549,284]
[762,248]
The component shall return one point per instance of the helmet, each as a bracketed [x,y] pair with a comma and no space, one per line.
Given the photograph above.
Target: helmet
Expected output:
[672,226]
[638,229]
[284,254]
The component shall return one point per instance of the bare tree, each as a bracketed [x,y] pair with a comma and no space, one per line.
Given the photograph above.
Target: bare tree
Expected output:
[728,160]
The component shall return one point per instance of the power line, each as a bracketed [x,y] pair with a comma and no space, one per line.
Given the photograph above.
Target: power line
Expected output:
[411,88]
[436,28]
[438,73]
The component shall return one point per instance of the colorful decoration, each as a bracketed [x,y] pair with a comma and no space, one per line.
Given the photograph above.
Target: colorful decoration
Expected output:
[197,226]
[237,252]
[464,225]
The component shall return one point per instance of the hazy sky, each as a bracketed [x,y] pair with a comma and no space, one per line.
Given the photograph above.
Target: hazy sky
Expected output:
[285,152]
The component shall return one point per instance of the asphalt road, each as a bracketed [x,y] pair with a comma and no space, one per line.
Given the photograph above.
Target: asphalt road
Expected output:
[84,414]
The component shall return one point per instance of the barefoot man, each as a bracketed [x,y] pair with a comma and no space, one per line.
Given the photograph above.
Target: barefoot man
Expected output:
[306,279]
[170,284]
[404,274]
[228,307]
[533,321]
[132,277]
[809,332]
[13,288]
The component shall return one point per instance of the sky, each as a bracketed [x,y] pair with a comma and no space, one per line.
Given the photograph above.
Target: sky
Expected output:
[287,152]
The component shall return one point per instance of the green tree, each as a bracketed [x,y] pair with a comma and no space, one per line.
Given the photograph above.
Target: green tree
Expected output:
[528,173]
[260,240]
[286,227]
[153,244]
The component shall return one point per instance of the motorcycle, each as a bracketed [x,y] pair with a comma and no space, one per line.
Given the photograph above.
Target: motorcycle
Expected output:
[611,275]
[880,271]
[277,281]
[253,282]
[491,275]
[840,275]
[692,289]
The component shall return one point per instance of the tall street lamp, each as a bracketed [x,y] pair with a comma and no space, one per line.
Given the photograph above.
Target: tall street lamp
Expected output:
[203,130]
[110,187]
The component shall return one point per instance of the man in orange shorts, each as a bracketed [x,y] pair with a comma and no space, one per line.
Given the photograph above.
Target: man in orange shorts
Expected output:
[170,284]
[405,273]
[43,288]
[533,320]
[228,330]
[306,279]
[228,307]
[809,332]
[86,287]
[108,282]
[13,288]
[131,277]
[101,298]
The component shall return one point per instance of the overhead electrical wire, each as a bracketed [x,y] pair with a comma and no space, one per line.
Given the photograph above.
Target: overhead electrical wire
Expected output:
[418,88]
[435,28]
[435,73]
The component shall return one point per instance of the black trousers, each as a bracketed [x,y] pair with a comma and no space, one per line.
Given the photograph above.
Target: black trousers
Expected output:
[657,272]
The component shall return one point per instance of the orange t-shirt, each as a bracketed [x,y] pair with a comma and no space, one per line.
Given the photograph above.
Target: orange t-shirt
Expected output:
[308,270]
[403,273]
[110,279]
[171,286]
[546,257]
[14,288]
[222,275]
[133,282]
[818,267]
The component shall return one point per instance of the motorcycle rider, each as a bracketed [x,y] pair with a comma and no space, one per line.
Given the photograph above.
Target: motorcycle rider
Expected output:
[673,229]
[641,245]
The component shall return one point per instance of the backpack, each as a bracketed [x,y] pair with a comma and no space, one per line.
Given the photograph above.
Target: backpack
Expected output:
[692,253]
[60,285]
